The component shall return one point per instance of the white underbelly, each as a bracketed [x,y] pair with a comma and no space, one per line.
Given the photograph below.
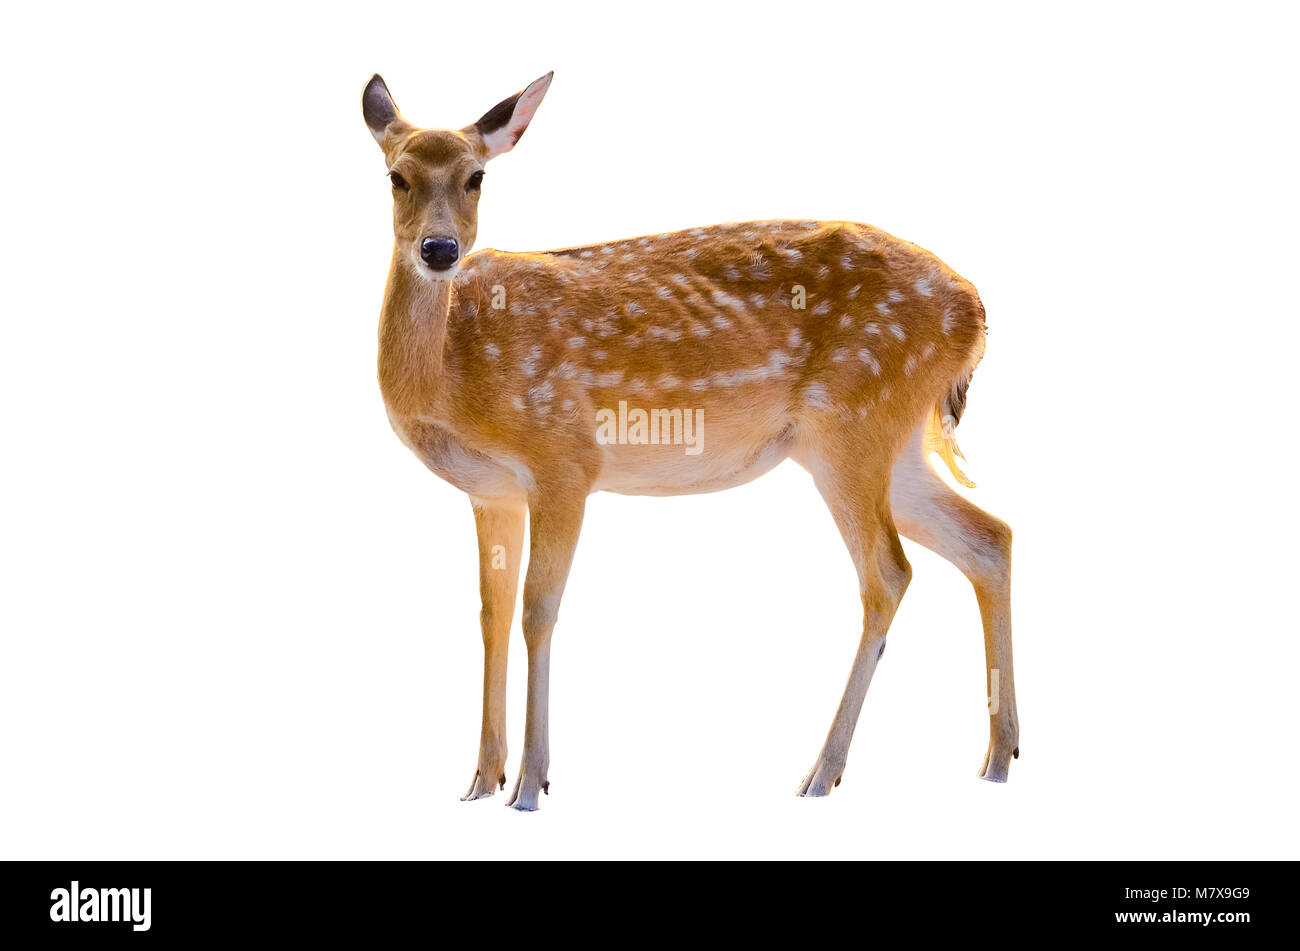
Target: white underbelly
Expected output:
[669,470]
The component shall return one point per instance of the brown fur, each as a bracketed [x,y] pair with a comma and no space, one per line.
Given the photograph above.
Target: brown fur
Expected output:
[598,329]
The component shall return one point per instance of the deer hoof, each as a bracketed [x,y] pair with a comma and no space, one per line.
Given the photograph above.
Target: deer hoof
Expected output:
[481,787]
[819,782]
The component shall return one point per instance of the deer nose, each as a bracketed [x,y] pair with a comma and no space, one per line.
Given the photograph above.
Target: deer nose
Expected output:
[439,253]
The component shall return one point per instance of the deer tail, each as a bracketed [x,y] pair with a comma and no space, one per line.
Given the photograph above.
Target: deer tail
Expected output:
[941,428]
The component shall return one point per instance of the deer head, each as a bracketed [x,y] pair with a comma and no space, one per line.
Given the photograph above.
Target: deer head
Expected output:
[437,174]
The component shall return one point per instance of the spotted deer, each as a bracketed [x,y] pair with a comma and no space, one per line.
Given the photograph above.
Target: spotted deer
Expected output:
[830,343]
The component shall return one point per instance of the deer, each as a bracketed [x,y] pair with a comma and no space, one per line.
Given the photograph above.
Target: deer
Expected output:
[831,343]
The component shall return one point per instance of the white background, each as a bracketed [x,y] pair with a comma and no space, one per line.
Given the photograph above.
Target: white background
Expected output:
[240,619]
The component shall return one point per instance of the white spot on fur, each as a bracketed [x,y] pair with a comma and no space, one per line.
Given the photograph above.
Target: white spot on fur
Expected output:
[897,331]
[723,299]
[814,394]
[882,307]
[867,357]
[775,368]
[492,351]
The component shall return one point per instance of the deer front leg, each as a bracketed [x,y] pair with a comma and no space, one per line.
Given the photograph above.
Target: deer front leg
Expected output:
[500,549]
[553,536]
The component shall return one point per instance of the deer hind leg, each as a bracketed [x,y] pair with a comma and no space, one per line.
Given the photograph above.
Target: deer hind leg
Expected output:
[500,549]
[927,511]
[859,503]
[555,522]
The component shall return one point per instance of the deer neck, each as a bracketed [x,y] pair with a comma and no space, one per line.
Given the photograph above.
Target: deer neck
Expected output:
[413,342]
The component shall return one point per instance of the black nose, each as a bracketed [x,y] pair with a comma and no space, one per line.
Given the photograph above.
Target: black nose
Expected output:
[440,253]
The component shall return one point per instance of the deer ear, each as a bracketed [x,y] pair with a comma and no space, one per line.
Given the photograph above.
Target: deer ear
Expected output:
[382,117]
[503,124]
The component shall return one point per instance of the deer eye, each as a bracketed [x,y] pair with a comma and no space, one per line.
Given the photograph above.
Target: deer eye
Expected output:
[475,181]
[398,182]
